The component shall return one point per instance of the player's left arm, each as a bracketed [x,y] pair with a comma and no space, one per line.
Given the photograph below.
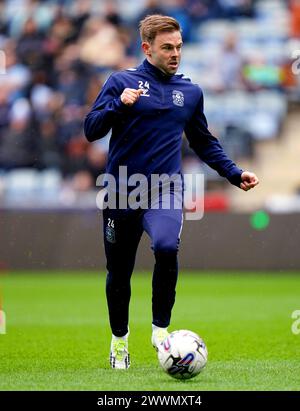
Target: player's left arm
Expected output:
[209,150]
[249,180]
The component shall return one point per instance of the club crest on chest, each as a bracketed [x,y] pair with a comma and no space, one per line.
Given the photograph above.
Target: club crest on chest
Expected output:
[178,98]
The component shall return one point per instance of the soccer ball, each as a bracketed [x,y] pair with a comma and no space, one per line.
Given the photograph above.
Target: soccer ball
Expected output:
[183,354]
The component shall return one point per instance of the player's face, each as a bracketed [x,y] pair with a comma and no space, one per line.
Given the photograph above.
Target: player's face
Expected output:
[165,51]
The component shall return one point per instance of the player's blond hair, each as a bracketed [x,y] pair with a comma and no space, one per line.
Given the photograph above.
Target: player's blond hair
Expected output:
[151,25]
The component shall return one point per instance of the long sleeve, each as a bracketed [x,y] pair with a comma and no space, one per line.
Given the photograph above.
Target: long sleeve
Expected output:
[106,109]
[208,148]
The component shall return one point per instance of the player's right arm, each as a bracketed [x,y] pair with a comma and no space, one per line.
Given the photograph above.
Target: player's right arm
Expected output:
[111,102]
[106,109]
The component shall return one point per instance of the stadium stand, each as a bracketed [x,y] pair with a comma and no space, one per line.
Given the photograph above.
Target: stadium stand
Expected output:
[59,53]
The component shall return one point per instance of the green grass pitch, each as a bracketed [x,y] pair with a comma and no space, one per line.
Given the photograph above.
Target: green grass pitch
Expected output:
[58,335]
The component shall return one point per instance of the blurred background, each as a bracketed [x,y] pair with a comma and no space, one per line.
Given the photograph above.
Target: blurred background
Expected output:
[56,55]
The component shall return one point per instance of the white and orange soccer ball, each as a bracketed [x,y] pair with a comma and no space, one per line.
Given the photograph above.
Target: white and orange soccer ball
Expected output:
[183,354]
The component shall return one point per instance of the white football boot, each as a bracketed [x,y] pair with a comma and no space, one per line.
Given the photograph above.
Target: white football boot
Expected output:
[119,356]
[158,336]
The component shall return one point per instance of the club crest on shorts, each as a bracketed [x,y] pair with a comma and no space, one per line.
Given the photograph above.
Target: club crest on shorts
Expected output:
[178,98]
[110,234]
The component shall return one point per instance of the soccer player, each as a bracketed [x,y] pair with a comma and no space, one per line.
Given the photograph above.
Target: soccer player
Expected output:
[148,108]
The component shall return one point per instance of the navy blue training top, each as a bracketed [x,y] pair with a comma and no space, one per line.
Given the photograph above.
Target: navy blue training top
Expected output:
[147,136]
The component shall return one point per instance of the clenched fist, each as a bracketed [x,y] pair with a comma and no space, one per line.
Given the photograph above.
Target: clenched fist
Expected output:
[130,96]
[249,180]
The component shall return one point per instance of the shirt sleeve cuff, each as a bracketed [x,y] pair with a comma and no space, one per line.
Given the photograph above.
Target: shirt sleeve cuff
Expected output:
[235,178]
[119,107]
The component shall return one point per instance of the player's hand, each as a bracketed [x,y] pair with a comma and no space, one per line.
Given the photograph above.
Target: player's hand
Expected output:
[130,96]
[249,180]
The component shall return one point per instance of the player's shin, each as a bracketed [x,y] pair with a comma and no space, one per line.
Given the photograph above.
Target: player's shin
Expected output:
[163,287]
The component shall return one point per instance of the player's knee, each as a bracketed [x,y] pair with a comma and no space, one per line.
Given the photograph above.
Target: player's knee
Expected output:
[165,246]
